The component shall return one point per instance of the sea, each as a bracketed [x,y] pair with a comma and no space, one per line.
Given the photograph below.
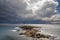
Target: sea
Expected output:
[7,34]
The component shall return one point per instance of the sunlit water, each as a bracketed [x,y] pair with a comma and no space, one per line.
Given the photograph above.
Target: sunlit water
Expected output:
[6,34]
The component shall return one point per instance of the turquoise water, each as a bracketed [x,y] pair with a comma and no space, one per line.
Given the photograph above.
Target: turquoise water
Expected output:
[6,34]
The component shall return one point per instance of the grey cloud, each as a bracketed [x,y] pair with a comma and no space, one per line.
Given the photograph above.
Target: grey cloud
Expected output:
[17,9]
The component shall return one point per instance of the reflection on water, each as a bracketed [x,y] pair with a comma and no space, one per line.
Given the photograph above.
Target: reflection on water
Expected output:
[6,34]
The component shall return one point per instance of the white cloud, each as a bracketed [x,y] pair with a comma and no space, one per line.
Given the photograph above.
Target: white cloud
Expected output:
[35,9]
[43,10]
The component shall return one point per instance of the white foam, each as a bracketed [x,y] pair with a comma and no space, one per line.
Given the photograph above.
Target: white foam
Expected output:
[16,28]
[13,30]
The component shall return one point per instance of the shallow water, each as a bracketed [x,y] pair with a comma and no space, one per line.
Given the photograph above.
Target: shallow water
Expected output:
[6,34]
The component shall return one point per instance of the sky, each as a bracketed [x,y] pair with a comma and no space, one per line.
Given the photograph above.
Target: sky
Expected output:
[29,11]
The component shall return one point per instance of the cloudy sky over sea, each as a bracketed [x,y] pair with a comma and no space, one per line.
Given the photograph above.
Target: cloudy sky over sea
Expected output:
[30,11]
